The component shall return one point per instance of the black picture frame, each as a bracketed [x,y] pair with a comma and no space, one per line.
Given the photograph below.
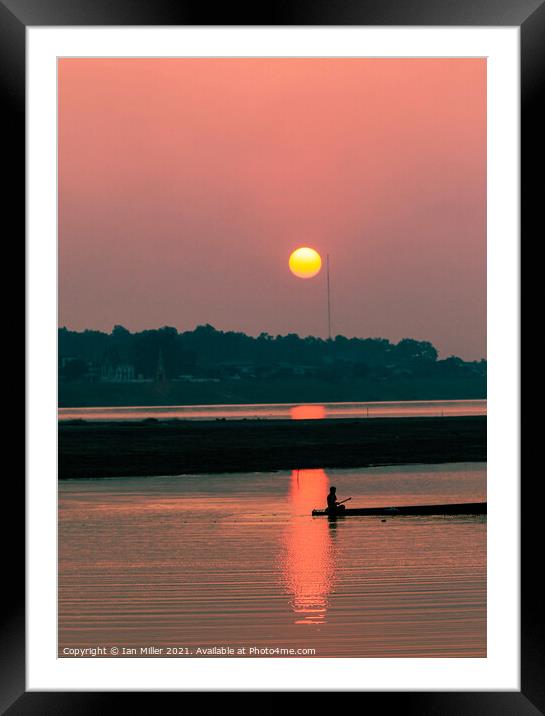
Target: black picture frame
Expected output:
[529,15]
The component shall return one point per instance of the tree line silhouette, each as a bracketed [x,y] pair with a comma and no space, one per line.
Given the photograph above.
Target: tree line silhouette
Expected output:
[208,353]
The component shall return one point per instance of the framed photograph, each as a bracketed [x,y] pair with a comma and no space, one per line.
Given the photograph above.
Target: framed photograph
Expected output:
[272,269]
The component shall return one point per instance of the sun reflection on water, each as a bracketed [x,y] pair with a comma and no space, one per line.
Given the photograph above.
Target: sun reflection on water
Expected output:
[308,560]
[307,412]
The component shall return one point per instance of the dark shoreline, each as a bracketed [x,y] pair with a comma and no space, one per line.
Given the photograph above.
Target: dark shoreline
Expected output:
[169,447]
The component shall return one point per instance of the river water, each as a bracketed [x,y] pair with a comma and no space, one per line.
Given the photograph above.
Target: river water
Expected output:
[275,411]
[217,561]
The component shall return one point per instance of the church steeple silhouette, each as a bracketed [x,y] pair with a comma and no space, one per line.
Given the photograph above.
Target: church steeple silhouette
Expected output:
[160,375]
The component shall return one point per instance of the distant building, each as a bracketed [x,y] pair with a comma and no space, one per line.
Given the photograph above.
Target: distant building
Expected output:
[121,373]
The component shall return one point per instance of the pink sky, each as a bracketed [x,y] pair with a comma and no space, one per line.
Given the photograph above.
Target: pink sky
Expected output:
[184,184]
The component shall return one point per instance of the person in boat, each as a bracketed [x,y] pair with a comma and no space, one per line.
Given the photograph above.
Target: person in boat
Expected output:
[334,507]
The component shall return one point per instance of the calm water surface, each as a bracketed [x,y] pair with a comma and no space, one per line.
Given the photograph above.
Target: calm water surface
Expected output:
[236,560]
[275,411]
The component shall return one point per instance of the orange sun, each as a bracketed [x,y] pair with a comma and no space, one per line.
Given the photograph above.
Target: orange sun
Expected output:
[305,262]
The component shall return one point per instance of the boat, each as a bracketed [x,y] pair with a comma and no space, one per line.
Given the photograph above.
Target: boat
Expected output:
[463,508]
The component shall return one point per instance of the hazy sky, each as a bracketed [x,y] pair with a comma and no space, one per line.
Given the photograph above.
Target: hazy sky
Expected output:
[184,185]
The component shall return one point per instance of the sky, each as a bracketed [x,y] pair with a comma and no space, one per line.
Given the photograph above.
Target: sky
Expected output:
[185,184]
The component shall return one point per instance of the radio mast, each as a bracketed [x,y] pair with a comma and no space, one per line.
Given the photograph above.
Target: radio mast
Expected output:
[328,300]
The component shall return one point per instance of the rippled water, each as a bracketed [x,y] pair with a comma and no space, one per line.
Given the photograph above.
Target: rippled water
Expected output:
[309,411]
[238,561]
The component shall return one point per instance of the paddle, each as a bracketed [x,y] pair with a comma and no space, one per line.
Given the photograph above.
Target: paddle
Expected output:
[341,502]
